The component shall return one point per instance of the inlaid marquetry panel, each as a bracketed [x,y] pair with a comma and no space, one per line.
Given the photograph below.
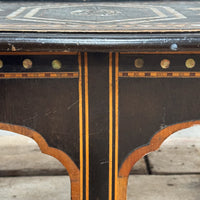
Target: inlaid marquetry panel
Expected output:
[100,17]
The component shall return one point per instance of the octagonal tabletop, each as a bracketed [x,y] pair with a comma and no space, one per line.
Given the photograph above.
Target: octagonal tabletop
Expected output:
[101,17]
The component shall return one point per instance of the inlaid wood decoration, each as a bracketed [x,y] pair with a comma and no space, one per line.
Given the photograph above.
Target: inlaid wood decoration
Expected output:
[100,17]
[99,101]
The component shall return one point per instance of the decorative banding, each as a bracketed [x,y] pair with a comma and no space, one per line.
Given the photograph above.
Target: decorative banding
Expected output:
[164,52]
[87,155]
[80,125]
[159,74]
[23,75]
[38,53]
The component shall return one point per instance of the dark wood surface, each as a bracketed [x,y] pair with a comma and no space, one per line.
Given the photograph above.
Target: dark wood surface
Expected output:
[16,43]
[156,16]
[99,113]
[102,116]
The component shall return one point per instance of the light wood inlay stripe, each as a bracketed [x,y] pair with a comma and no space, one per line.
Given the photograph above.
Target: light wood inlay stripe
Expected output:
[23,75]
[38,53]
[164,52]
[116,122]
[86,127]
[159,74]
[110,126]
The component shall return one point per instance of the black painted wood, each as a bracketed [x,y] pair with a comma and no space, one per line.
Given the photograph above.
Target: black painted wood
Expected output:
[45,106]
[152,62]
[55,0]
[40,63]
[53,42]
[98,78]
[146,105]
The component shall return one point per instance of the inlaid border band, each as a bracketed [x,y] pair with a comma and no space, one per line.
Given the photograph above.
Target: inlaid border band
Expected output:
[116,121]
[25,75]
[162,52]
[38,53]
[86,128]
[158,74]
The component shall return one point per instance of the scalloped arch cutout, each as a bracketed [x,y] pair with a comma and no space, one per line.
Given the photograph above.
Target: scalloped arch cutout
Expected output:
[67,162]
[136,155]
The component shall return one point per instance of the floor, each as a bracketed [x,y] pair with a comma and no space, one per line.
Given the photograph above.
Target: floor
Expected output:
[172,172]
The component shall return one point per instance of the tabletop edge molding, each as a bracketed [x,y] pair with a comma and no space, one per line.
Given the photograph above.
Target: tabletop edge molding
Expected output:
[52,42]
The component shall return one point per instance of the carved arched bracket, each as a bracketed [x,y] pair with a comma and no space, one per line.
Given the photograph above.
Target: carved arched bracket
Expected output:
[136,155]
[67,162]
